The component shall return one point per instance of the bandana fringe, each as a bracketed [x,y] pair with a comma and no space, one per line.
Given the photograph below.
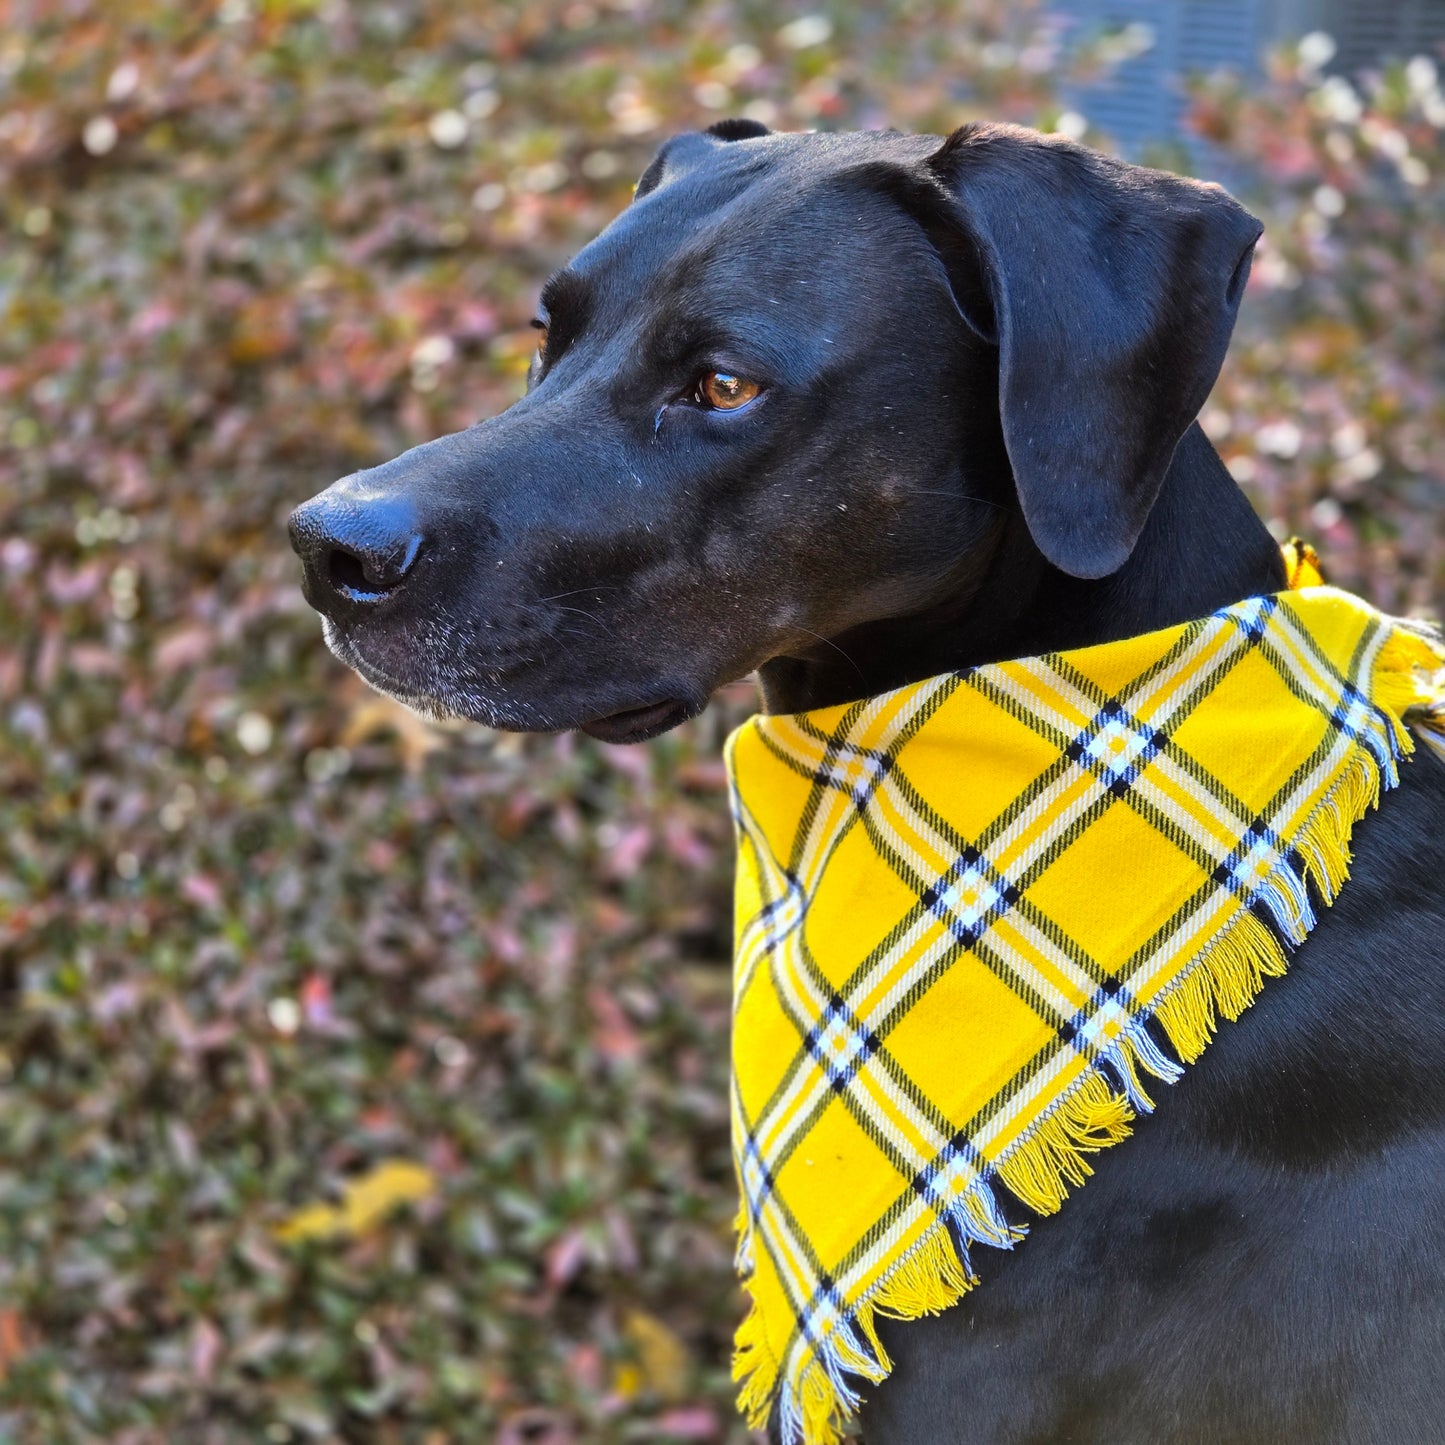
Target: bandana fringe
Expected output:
[815,1403]
[1407,660]
[931,1278]
[1090,1117]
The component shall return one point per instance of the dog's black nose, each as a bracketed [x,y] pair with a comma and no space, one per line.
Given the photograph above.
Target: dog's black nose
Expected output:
[357,546]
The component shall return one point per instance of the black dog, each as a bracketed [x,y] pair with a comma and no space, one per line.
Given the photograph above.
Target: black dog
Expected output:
[855,410]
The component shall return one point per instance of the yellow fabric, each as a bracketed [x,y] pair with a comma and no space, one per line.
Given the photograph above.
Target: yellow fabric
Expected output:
[975,913]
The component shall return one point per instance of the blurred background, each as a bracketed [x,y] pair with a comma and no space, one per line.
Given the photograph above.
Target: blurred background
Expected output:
[363,1082]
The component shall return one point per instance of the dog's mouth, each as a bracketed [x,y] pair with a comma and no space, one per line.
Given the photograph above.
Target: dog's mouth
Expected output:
[438,699]
[637,724]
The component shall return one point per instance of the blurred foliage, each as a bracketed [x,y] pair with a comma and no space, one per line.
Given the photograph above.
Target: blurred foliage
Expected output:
[271,950]
[1332,406]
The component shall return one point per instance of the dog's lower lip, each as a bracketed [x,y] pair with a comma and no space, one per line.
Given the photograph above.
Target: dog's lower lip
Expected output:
[636,724]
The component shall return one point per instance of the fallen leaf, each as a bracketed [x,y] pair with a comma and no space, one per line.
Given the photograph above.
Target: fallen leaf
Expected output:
[374,716]
[365,1203]
[661,1362]
[368,1200]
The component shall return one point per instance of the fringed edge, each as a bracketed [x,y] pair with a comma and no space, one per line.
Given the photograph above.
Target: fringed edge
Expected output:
[1039,1170]
[933,1275]
[1229,975]
[813,1406]
[1411,684]
[1055,1157]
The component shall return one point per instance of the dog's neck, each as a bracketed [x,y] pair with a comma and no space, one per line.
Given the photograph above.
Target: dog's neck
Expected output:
[1202,548]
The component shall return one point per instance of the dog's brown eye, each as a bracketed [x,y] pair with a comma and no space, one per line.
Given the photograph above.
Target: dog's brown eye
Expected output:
[725,392]
[541,341]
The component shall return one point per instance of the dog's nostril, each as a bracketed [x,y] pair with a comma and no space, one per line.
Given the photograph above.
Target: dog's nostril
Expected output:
[364,574]
[348,574]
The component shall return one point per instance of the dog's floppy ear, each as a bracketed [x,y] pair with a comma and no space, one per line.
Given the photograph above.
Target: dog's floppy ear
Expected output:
[737,128]
[1111,291]
[683,151]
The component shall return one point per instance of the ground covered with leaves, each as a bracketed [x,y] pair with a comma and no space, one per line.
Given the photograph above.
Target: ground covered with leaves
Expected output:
[358,1082]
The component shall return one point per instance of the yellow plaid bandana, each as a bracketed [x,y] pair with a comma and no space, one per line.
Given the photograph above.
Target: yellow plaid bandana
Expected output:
[975,913]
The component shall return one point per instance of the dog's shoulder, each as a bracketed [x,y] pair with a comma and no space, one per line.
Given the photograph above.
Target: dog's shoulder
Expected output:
[1346,1053]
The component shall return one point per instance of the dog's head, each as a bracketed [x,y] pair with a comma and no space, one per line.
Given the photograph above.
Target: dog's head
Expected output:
[803,383]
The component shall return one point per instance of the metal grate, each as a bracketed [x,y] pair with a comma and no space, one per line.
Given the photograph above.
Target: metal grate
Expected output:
[1141,102]
[1368,32]
[1214,33]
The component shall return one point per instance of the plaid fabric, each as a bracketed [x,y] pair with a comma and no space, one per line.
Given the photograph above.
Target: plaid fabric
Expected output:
[975,913]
